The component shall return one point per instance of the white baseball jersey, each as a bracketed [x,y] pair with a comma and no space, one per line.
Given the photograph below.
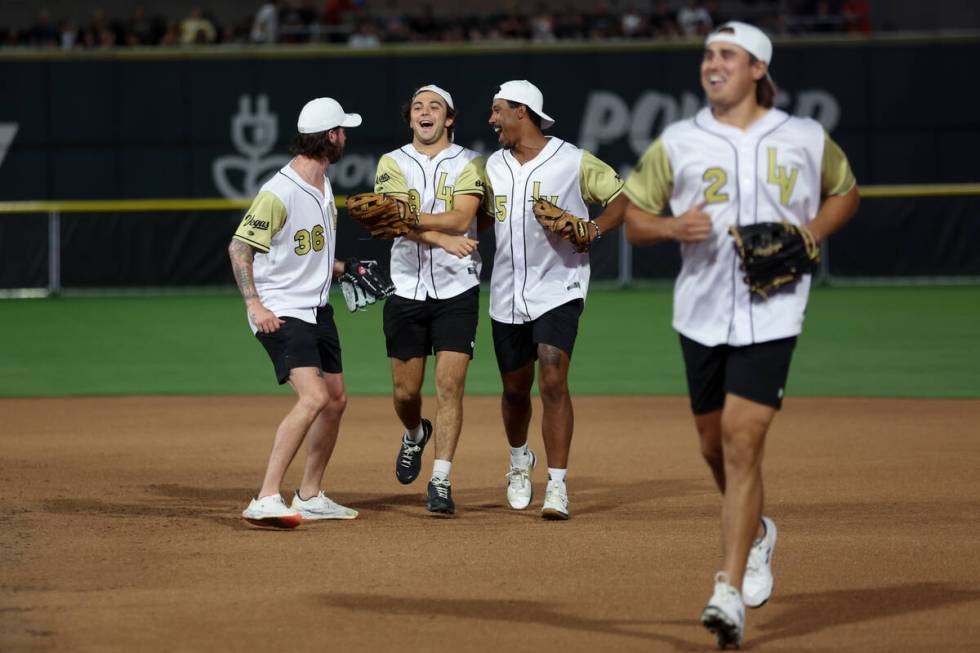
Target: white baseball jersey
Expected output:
[778,169]
[429,184]
[294,228]
[535,270]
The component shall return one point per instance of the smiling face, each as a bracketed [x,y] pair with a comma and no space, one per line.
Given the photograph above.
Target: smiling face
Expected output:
[505,121]
[728,75]
[429,119]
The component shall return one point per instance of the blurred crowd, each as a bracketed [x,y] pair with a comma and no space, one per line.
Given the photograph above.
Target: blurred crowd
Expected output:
[368,24]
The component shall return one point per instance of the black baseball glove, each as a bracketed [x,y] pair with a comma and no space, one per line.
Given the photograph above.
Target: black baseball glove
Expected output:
[774,254]
[363,283]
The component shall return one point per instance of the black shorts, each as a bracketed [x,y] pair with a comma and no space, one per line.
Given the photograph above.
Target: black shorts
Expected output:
[415,329]
[755,372]
[517,344]
[301,344]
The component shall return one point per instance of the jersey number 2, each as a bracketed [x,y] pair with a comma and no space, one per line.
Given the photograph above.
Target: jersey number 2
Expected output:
[718,179]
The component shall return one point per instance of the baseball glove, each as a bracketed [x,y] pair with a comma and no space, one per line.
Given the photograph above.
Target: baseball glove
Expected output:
[384,216]
[580,233]
[363,283]
[774,254]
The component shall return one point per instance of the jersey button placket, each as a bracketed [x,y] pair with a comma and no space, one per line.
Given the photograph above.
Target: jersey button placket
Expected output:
[746,204]
[518,210]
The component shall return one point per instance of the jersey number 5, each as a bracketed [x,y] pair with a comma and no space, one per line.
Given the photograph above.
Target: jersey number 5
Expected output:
[500,207]
[309,240]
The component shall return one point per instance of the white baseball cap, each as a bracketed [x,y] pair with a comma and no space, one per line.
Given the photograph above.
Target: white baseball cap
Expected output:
[524,92]
[751,39]
[324,113]
[444,94]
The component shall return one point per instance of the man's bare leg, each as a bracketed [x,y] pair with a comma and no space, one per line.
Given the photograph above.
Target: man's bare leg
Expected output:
[406,381]
[557,420]
[322,435]
[312,396]
[451,369]
[744,427]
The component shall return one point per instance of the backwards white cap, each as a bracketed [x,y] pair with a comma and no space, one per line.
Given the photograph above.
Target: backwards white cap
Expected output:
[751,39]
[444,94]
[524,92]
[324,113]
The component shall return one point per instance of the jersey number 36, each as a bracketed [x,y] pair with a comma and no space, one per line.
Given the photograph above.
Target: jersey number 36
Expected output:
[309,240]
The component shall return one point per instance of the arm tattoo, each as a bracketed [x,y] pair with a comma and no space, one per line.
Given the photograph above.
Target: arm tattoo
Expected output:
[241,264]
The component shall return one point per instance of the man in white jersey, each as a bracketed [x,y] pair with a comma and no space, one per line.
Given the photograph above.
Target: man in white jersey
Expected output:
[436,272]
[284,257]
[737,162]
[539,281]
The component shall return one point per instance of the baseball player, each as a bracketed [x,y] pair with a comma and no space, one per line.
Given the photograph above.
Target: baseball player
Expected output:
[436,272]
[737,162]
[539,280]
[283,257]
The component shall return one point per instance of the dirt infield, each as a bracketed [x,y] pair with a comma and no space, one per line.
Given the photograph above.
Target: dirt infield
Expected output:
[119,530]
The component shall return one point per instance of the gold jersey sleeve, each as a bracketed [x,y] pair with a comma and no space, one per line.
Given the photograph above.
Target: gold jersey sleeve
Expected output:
[390,179]
[472,179]
[488,202]
[836,177]
[651,183]
[264,219]
[599,183]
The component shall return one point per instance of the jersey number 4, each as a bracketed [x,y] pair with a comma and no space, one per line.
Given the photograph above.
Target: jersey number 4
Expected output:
[307,241]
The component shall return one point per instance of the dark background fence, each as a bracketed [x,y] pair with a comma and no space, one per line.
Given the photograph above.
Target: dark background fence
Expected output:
[192,125]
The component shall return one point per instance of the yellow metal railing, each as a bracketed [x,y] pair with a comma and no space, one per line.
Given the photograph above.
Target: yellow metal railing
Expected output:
[221,204]
[132,206]
[54,209]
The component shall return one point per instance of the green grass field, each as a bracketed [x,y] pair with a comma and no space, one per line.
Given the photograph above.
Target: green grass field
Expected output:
[898,342]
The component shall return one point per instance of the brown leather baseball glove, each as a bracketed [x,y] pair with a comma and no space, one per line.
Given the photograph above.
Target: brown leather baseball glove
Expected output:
[580,233]
[384,216]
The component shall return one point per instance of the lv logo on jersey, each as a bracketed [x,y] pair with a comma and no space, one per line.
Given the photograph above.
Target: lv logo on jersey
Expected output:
[536,193]
[777,176]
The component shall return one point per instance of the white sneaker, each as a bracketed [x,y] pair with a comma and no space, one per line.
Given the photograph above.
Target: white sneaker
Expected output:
[519,487]
[555,501]
[321,507]
[271,512]
[725,615]
[757,582]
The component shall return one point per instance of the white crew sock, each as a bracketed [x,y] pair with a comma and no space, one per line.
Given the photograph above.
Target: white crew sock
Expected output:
[414,435]
[440,469]
[555,474]
[519,456]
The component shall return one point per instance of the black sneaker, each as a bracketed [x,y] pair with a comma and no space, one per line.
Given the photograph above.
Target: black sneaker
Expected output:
[409,460]
[441,497]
